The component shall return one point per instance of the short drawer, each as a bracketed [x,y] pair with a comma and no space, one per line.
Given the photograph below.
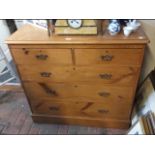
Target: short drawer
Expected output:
[122,95]
[42,56]
[109,56]
[81,108]
[125,76]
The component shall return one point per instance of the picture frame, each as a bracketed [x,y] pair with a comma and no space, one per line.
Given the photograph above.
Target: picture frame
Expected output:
[138,128]
[144,103]
[46,24]
[145,96]
[145,125]
[39,23]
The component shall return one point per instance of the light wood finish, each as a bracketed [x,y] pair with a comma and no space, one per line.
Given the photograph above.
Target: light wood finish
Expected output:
[97,74]
[109,56]
[81,109]
[105,93]
[110,123]
[65,75]
[42,56]
[29,34]
[77,46]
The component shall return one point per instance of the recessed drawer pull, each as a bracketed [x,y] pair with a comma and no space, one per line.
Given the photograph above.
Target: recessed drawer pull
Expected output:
[41,56]
[105,76]
[103,111]
[45,74]
[107,57]
[104,94]
[54,108]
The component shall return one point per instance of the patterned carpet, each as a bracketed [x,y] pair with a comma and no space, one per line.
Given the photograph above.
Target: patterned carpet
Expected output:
[15,119]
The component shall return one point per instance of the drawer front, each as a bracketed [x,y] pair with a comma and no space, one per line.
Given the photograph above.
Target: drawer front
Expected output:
[125,76]
[42,56]
[74,91]
[81,108]
[109,56]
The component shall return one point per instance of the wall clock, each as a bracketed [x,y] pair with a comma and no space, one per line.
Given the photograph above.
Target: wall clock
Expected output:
[76,27]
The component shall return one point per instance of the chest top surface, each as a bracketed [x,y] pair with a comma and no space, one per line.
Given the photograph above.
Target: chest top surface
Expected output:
[29,34]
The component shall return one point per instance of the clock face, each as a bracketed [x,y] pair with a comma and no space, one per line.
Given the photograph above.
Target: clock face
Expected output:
[74,23]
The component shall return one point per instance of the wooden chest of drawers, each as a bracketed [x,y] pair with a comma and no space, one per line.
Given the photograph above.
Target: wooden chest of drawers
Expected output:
[88,80]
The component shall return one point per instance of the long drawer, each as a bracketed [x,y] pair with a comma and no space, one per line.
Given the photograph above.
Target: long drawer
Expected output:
[78,91]
[125,76]
[42,56]
[132,57]
[80,108]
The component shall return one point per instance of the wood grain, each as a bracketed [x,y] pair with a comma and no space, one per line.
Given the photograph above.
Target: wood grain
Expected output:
[76,46]
[29,34]
[124,76]
[106,123]
[42,56]
[78,91]
[86,80]
[93,109]
[124,57]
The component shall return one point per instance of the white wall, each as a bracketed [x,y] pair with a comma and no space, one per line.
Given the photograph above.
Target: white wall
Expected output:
[19,23]
[149,60]
[4,33]
[148,65]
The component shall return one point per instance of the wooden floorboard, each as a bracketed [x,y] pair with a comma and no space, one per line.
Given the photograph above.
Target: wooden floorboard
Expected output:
[15,119]
[1,128]
[49,129]
[26,125]
[63,129]
[34,130]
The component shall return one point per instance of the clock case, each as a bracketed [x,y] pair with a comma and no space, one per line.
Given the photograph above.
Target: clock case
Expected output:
[89,27]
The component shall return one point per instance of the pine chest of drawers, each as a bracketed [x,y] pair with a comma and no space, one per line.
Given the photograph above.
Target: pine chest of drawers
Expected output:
[87,80]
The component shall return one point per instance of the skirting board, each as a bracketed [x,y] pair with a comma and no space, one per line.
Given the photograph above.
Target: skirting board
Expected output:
[106,123]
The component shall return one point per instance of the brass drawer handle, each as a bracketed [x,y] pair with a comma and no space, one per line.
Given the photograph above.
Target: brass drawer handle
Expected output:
[45,74]
[106,76]
[41,56]
[103,111]
[107,57]
[54,108]
[104,94]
